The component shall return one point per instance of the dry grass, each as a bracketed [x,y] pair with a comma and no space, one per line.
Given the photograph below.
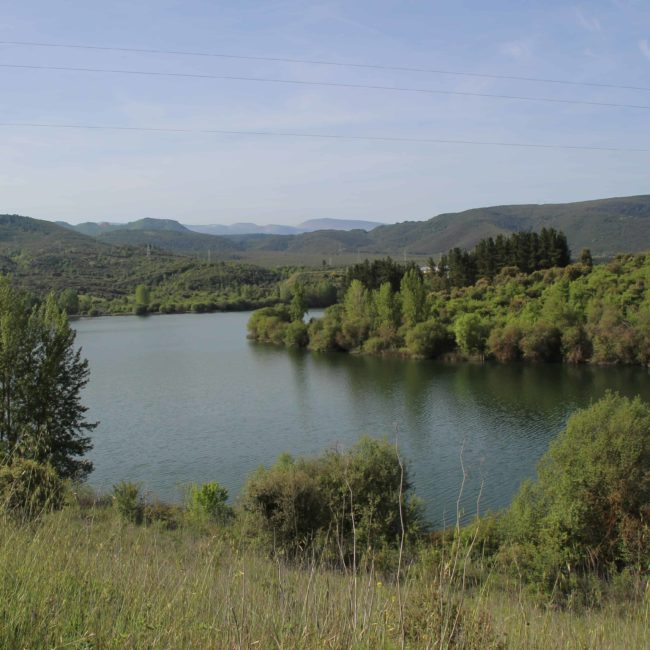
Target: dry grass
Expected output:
[84,579]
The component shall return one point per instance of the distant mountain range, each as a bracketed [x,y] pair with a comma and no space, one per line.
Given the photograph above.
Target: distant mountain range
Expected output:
[606,226]
[96,229]
[275,229]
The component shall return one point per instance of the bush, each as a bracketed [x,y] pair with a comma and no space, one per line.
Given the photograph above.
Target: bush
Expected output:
[127,501]
[504,343]
[342,500]
[590,506]
[324,332]
[471,332]
[296,335]
[207,503]
[429,339]
[162,514]
[28,488]
[375,345]
[269,324]
[543,342]
[576,347]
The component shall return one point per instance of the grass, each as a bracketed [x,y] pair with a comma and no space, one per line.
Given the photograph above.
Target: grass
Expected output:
[82,578]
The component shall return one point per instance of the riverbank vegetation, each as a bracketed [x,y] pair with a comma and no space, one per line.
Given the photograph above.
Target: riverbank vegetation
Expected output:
[327,551]
[579,313]
[201,288]
[331,551]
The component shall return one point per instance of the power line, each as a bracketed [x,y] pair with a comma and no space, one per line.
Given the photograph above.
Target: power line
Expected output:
[340,64]
[330,84]
[323,136]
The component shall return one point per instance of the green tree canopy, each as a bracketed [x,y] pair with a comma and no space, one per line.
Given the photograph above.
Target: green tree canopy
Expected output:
[414,297]
[298,305]
[590,507]
[41,378]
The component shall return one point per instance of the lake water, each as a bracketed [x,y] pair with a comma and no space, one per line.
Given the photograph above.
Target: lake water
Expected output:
[186,398]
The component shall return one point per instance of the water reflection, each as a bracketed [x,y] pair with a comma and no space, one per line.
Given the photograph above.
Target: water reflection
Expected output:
[188,398]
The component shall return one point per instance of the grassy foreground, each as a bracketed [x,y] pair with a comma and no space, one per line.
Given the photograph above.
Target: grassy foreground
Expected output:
[82,578]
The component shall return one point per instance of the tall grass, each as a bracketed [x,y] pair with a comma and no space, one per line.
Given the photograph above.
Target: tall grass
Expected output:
[83,578]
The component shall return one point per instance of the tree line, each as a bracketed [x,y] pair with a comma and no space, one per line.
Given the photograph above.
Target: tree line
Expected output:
[525,251]
[578,313]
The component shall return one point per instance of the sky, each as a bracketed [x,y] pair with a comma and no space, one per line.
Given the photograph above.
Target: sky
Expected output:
[81,175]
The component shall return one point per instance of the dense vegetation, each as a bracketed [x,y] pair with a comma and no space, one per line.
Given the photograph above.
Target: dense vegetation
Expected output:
[525,251]
[328,551]
[580,313]
[92,278]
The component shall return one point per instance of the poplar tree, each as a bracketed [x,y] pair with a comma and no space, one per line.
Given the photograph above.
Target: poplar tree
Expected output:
[41,379]
[414,298]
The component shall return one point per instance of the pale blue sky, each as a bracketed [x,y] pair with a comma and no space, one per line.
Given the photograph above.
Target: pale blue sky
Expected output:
[80,175]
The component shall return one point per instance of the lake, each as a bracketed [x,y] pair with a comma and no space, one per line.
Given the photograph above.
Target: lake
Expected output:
[187,398]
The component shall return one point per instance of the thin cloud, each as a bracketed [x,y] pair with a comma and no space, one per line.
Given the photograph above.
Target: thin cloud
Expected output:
[590,23]
[515,49]
[644,46]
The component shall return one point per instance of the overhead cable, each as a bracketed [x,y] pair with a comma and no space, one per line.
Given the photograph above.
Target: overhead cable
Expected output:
[329,84]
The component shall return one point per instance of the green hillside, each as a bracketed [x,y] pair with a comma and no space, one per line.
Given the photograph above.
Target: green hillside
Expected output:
[42,256]
[606,226]
[178,241]
[96,229]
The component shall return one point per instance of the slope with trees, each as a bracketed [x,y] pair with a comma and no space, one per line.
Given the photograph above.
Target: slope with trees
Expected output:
[605,226]
[577,313]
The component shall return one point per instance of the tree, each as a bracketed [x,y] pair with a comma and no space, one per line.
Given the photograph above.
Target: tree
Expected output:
[386,306]
[298,305]
[589,507]
[41,379]
[142,299]
[414,297]
[471,332]
[69,300]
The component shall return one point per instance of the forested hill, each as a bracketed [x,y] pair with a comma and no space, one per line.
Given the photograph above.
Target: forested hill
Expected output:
[42,256]
[605,226]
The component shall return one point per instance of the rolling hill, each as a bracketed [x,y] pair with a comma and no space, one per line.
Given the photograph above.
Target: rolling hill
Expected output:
[42,256]
[606,226]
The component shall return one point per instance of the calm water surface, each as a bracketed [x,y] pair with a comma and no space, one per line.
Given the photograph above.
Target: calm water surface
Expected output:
[187,398]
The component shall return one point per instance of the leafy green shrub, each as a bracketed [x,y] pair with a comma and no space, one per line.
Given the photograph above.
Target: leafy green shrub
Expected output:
[471,332]
[269,324]
[296,335]
[504,343]
[543,342]
[28,488]
[576,347]
[128,502]
[376,344]
[589,509]
[429,339]
[162,514]
[208,503]
[324,332]
[344,500]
